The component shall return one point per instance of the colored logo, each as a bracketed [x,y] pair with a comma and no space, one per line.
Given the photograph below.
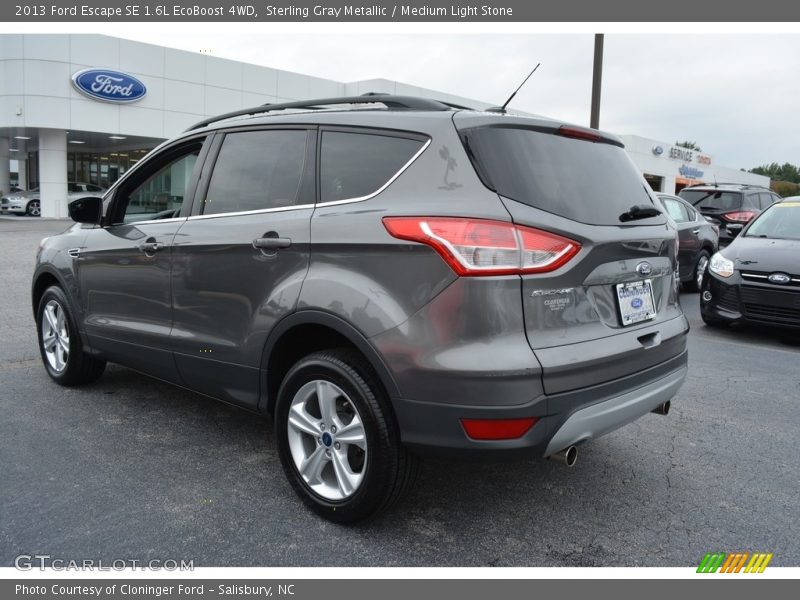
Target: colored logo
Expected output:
[644,268]
[690,172]
[109,86]
[737,562]
[658,150]
[636,303]
[781,278]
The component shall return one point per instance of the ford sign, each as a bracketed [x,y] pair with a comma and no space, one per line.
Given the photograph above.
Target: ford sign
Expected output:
[779,278]
[109,86]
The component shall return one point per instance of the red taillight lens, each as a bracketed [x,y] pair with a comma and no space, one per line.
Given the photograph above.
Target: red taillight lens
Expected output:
[744,216]
[497,429]
[481,247]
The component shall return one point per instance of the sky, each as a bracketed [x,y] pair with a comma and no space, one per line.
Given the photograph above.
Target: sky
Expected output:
[736,96]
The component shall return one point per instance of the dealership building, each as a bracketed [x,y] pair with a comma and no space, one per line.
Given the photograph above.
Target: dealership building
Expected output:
[87,107]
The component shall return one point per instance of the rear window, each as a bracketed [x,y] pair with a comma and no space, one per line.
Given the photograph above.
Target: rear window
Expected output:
[585,181]
[712,199]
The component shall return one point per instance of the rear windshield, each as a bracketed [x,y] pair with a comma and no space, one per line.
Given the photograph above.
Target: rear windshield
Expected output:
[585,181]
[712,199]
[781,221]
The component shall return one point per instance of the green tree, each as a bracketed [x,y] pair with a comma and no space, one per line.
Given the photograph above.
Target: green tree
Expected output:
[689,146]
[785,172]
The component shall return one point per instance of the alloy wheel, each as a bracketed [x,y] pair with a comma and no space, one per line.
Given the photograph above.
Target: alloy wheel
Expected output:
[55,336]
[702,265]
[34,208]
[327,440]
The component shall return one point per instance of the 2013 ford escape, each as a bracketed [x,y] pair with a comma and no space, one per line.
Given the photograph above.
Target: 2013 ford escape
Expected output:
[384,276]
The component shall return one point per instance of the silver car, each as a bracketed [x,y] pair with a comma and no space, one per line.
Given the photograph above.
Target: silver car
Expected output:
[29,202]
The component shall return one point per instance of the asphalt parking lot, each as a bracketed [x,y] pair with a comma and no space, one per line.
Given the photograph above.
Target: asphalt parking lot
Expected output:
[130,468]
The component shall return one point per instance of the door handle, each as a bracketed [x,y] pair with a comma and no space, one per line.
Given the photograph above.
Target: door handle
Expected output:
[271,243]
[148,247]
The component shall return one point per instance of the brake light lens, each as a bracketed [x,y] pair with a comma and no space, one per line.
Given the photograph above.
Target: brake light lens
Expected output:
[474,247]
[580,134]
[498,429]
[744,216]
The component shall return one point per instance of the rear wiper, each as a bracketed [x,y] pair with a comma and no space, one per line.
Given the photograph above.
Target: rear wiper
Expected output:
[639,211]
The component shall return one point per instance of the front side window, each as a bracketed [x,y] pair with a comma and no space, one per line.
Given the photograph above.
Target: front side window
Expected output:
[257,170]
[160,195]
[356,165]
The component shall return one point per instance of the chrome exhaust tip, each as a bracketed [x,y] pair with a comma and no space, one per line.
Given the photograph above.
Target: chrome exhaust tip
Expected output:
[662,409]
[568,456]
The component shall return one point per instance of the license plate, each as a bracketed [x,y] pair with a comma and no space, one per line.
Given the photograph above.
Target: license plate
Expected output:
[636,302]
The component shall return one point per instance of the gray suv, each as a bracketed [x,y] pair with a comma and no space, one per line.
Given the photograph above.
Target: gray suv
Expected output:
[385,277]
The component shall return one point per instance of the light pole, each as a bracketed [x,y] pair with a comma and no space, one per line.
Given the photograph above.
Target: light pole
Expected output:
[597,80]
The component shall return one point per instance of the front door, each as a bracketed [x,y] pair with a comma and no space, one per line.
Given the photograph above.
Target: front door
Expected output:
[124,268]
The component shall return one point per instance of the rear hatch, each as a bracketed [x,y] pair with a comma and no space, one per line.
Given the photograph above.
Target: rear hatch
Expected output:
[612,310]
[714,203]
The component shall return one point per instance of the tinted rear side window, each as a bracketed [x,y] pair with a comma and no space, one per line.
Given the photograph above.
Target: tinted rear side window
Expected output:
[584,181]
[257,170]
[712,199]
[354,165]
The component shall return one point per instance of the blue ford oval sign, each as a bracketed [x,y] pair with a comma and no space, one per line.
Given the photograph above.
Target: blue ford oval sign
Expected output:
[108,85]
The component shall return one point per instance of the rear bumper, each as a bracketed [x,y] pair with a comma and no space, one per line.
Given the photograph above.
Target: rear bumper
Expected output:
[564,419]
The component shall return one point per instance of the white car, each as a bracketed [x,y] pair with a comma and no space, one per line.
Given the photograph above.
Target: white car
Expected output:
[28,202]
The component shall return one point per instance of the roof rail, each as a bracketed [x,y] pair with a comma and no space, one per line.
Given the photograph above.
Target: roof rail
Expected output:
[719,183]
[389,100]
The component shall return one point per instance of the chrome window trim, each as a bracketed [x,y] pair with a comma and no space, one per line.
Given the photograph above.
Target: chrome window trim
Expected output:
[149,221]
[385,185]
[251,212]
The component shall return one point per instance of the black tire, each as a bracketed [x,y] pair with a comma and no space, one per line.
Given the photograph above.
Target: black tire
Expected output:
[34,208]
[79,367]
[712,322]
[693,285]
[389,469]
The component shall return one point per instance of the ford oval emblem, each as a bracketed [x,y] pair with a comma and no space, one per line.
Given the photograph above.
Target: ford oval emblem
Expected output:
[780,278]
[108,85]
[644,268]
[637,303]
[658,150]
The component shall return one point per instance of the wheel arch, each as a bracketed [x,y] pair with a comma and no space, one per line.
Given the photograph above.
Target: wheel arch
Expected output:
[308,331]
[42,280]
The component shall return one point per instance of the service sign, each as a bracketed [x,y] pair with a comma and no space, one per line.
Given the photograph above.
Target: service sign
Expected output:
[108,85]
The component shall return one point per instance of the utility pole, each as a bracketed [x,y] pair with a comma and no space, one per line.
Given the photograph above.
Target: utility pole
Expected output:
[597,80]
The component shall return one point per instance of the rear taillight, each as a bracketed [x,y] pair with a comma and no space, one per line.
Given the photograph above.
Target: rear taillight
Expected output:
[744,216]
[475,247]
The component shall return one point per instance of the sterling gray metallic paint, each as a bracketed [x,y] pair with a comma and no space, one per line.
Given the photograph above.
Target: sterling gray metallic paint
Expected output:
[202,311]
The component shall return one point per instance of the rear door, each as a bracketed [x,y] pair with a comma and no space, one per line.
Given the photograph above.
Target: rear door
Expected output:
[688,235]
[240,259]
[612,310]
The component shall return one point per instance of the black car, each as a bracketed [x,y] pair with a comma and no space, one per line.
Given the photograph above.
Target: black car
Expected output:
[698,240]
[757,278]
[731,206]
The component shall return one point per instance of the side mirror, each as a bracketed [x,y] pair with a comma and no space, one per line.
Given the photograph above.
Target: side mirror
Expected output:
[86,210]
